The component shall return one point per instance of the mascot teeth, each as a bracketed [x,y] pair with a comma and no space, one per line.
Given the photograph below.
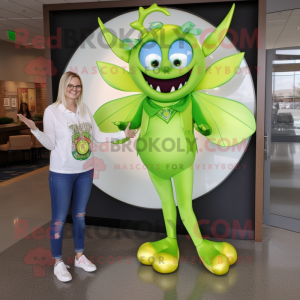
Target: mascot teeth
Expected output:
[167,85]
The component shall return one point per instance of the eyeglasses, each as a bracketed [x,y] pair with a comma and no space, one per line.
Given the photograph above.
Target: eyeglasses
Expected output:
[71,87]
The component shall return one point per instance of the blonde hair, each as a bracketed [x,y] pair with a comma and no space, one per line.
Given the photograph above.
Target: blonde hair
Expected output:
[63,83]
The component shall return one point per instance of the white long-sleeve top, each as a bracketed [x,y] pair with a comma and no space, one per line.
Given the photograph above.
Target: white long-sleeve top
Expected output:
[70,137]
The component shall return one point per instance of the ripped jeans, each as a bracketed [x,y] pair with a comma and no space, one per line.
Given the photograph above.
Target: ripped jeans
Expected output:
[62,186]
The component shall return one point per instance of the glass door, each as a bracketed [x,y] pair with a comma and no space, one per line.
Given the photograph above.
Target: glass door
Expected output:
[282,139]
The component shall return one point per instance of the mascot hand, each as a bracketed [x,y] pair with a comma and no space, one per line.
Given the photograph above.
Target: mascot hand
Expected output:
[203,129]
[121,125]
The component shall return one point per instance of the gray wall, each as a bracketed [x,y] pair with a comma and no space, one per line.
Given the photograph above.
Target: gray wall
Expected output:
[280,5]
[13,61]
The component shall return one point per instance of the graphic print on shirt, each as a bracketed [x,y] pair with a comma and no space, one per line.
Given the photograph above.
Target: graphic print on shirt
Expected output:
[81,139]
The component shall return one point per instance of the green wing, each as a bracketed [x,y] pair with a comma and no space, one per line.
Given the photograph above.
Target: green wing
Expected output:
[117,77]
[220,72]
[231,122]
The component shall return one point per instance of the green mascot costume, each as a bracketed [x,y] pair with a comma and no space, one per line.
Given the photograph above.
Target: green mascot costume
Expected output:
[167,67]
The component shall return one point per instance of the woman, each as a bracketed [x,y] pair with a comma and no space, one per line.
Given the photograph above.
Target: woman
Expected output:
[24,111]
[69,128]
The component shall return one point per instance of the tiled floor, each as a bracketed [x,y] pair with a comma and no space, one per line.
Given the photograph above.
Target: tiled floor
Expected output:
[285,180]
[24,202]
[268,270]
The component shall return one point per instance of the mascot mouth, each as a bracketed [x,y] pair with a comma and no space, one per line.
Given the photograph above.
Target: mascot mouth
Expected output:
[167,85]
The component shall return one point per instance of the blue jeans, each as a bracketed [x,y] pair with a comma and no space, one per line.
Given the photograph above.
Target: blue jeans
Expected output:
[62,186]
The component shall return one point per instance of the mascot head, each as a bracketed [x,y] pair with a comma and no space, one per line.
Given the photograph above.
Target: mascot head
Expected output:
[167,62]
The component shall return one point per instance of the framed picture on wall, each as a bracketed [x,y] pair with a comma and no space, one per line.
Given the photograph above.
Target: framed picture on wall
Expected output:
[14,102]
[27,95]
[6,102]
[31,99]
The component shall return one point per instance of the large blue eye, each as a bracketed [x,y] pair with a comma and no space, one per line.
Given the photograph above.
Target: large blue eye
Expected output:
[180,54]
[150,56]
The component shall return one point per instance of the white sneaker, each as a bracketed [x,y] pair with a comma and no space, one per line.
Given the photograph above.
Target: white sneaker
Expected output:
[85,264]
[61,272]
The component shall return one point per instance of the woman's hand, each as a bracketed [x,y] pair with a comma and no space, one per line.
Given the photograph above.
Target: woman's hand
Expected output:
[130,133]
[28,122]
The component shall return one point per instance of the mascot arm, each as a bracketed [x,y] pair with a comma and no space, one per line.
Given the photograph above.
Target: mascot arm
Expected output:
[200,123]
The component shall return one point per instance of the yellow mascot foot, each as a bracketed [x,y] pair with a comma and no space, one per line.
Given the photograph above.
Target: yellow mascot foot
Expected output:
[162,255]
[165,263]
[146,254]
[228,250]
[217,256]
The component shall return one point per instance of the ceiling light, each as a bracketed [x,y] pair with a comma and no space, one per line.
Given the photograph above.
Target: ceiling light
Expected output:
[18,18]
[276,21]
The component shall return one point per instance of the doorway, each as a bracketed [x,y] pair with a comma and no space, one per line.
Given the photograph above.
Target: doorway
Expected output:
[282,139]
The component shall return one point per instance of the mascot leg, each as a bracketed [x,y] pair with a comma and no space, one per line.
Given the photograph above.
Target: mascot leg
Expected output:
[216,256]
[163,255]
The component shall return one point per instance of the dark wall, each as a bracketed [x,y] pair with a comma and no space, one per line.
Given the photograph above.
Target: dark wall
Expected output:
[226,211]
